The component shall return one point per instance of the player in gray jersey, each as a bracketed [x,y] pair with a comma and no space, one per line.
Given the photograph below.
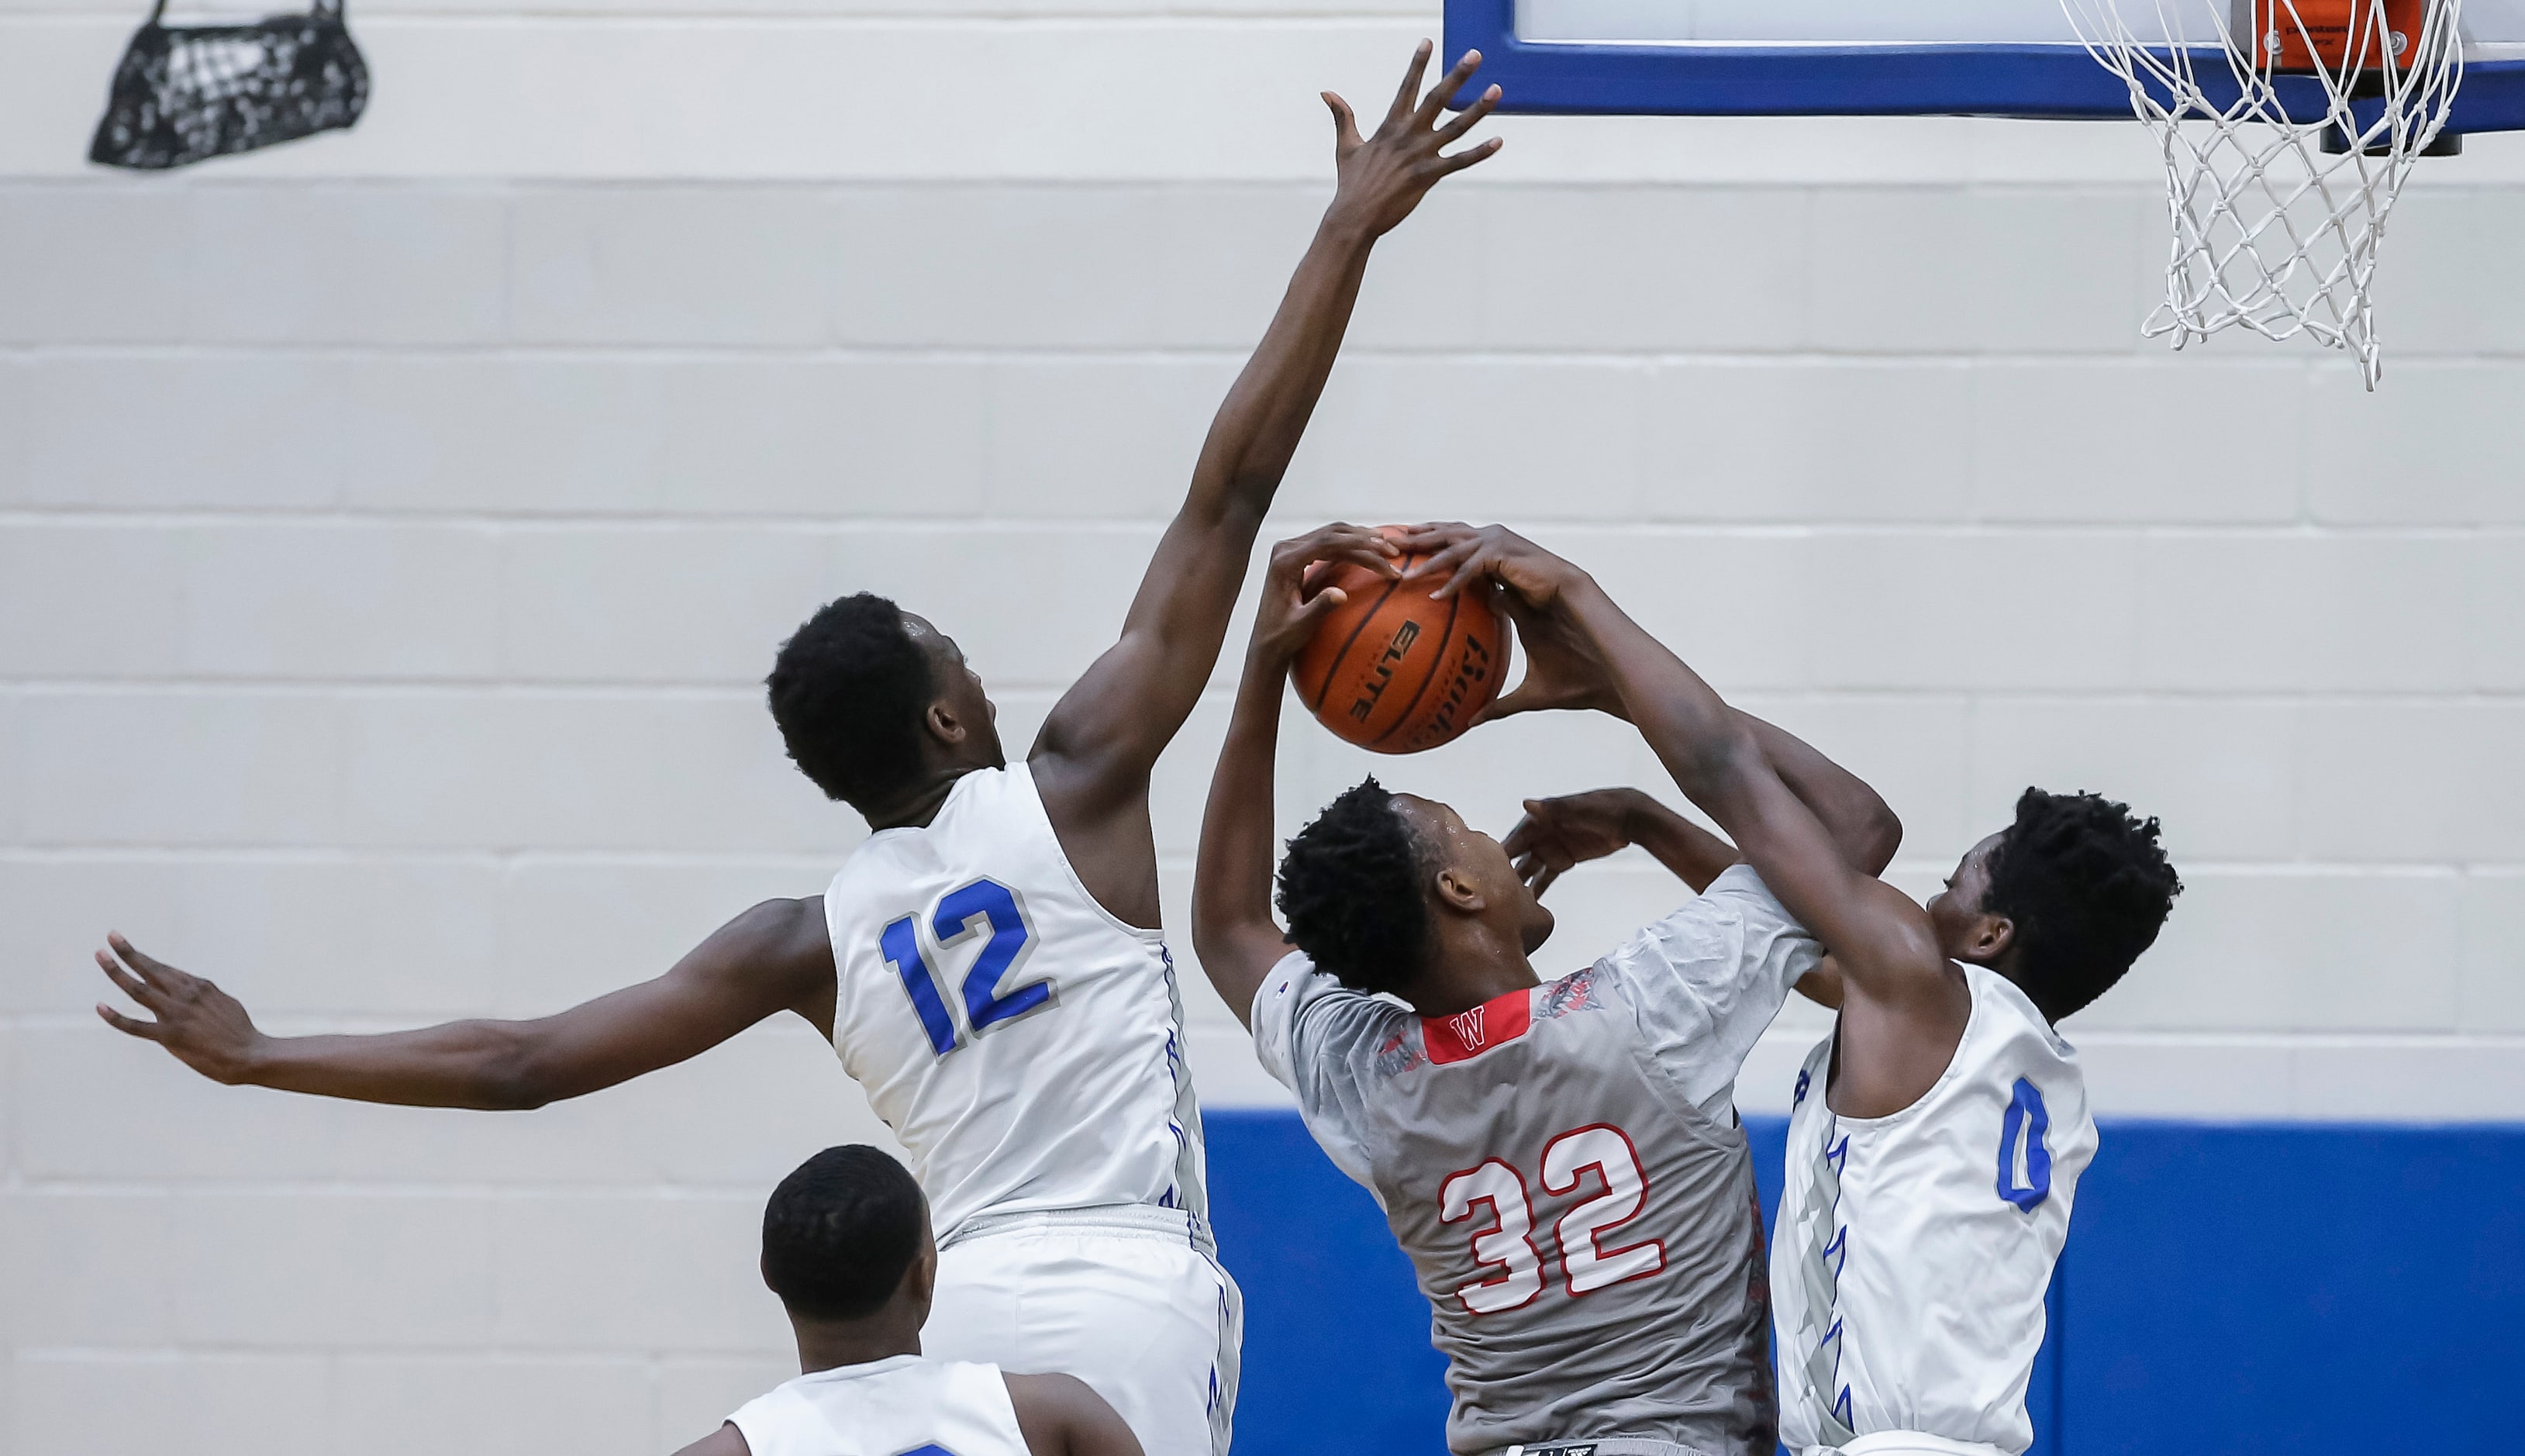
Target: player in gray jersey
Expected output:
[1561,1159]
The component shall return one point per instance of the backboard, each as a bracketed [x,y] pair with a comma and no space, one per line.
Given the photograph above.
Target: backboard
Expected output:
[1990,58]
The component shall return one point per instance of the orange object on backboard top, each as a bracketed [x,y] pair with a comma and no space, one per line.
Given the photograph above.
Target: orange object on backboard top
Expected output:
[2303,34]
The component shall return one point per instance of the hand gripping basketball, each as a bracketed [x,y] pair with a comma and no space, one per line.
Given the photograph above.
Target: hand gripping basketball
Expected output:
[1395,669]
[1562,667]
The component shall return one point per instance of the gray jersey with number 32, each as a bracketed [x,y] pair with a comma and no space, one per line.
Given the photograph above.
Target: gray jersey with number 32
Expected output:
[1564,1169]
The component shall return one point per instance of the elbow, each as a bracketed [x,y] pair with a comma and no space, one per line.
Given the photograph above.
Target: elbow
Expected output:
[514,1077]
[1881,839]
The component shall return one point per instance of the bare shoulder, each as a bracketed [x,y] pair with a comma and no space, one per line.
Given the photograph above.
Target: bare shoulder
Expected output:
[1060,1415]
[728,1441]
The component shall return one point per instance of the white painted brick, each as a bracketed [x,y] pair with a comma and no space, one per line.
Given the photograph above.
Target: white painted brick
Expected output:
[295,1268]
[2131,1076]
[696,1394]
[2302,952]
[727,265]
[2138,440]
[1666,582]
[2417,452]
[150,1404]
[1179,787]
[1432,284]
[2298,614]
[530,770]
[225,432]
[2496,583]
[2491,997]
[86,1269]
[1417,439]
[1648,268]
[1805,442]
[2021,612]
[93,265]
[1919,269]
[359,601]
[505,433]
[2454,791]
[82,601]
[295,937]
[1917,753]
[988,587]
[929,266]
[573,928]
[1225,255]
[97,1105]
[511,1407]
[54,914]
[2441,284]
[390,265]
[746,1114]
[640,604]
[2219,772]
[859,438]
[633,1273]
[1093,437]
[179,767]
[13,771]
[2426,1082]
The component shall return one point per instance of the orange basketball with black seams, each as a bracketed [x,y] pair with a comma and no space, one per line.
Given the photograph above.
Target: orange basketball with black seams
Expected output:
[1394,671]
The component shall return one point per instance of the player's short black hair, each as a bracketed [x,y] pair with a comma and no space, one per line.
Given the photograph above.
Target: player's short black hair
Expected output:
[1352,890]
[848,691]
[839,1233]
[2087,885]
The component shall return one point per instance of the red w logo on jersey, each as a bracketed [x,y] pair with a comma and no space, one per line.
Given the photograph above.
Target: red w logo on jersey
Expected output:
[1469,1033]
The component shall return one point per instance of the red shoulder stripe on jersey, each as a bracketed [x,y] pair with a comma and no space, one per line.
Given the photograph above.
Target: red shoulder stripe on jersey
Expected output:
[1469,1033]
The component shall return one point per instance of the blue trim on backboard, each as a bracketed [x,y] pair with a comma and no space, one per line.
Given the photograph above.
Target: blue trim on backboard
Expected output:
[2034,81]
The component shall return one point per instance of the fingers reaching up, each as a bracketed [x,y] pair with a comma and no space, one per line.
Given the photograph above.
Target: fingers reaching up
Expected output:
[1384,176]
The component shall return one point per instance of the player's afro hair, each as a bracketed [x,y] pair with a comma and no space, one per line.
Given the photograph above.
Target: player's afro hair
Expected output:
[2087,885]
[1351,888]
[839,1233]
[848,691]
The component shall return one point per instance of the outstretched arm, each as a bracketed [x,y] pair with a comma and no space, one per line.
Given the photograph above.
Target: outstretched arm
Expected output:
[1898,993]
[772,958]
[1107,732]
[1558,833]
[1232,929]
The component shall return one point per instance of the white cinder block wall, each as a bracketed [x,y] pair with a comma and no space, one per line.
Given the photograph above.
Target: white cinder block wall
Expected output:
[394,529]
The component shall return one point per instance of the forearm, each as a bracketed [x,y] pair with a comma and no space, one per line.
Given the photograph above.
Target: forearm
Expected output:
[484,1065]
[1691,853]
[1705,744]
[1232,929]
[1256,431]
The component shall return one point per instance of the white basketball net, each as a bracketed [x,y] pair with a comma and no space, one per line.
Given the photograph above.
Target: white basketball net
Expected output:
[2272,234]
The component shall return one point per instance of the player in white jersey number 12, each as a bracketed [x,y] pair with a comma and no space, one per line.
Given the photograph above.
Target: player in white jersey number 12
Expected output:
[1937,1136]
[988,964]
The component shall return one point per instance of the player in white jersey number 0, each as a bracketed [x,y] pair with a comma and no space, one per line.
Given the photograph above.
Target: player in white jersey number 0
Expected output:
[988,964]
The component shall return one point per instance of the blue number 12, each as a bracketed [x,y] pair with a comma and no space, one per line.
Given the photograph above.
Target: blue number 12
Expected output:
[984,903]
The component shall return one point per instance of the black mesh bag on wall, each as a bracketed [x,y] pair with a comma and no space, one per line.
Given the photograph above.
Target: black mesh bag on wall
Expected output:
[185,93]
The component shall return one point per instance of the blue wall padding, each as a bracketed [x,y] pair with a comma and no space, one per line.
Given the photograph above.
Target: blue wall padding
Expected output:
[2247,1290]
[2228,1289]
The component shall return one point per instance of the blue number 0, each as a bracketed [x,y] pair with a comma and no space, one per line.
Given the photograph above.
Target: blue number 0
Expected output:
[962,911]
[2024,1126]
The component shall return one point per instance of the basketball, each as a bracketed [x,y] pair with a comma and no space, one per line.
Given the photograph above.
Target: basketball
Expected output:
[1391,669]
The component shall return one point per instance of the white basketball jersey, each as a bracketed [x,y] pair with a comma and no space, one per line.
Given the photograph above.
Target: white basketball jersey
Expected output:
[1025,1045]
[1912,1252]
[900,1406]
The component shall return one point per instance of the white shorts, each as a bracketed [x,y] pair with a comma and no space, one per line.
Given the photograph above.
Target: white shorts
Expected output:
[1122,1298]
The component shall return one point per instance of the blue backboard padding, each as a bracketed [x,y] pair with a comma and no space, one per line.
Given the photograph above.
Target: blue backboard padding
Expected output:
[2036,81]
[2232,1289]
